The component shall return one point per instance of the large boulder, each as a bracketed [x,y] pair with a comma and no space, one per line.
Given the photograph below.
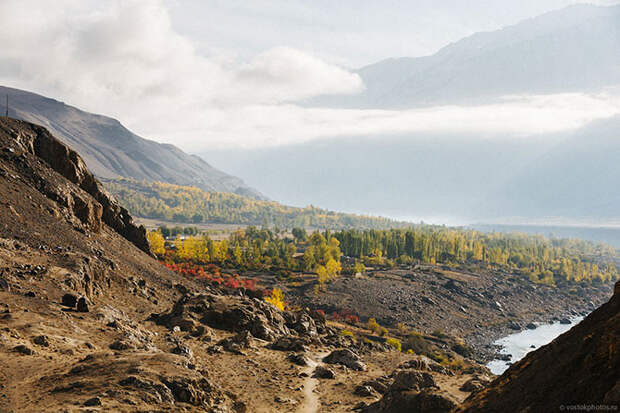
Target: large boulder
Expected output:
[303,324]
[424,363]
[425,401]
[236,314]
[412,380]
[322,372]
[347,358]
[290,343]
[475,384]
[192,391]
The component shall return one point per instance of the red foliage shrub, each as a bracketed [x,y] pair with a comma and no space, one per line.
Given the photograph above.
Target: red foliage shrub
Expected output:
[212,274]
[345,315]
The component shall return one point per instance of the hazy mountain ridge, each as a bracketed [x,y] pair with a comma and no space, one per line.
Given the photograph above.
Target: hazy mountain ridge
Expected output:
[551,53]
[420,176]
[461,177]
[112,151]
[576,178]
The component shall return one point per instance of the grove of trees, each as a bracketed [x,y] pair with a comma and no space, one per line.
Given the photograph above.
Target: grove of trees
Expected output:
[186,204]
[541,260]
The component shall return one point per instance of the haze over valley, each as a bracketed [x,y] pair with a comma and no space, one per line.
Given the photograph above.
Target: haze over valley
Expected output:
[309,207]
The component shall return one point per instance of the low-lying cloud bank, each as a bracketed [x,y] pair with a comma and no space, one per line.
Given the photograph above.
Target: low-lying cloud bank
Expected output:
[124,59]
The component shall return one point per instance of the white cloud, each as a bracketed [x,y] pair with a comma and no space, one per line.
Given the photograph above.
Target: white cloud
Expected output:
[527,116]
[124,59]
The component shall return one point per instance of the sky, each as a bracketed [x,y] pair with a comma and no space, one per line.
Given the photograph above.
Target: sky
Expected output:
[217,74]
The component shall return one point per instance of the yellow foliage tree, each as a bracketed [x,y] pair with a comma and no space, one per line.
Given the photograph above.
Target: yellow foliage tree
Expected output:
[276,298]
[156,241]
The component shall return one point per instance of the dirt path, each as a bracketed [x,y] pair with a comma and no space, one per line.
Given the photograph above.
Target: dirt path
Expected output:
[311,401]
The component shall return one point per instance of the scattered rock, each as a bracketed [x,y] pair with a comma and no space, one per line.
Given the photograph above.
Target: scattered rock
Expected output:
[565,321]
[424,363]
[95,401]
[347,358]
[365,391]
[531,326]
[183,350]
[82,305]
[303,324]
[157,391]
[237,343]
[289,343]
[299,358]
[69,300]
[406,401]
[380,384]
[192,391]
[322,372]
[284,400]
[513,325]
[41,340]
[123,344]
[4,285]
[22,349]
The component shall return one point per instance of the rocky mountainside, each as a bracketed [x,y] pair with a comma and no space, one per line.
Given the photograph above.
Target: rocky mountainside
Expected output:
[581,367]
[551,53]
[90,322]
[112,151]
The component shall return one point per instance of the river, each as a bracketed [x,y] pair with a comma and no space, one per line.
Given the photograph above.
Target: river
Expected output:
[519,344]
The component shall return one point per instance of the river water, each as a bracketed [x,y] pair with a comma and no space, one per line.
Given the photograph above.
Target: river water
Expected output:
[519,344]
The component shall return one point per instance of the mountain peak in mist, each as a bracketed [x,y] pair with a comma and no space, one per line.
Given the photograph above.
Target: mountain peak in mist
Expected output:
[560,51]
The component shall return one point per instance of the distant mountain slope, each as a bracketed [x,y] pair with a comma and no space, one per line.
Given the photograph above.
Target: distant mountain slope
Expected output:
[561,51]
[186,204]
[578,178]
[437,177]
[112,151]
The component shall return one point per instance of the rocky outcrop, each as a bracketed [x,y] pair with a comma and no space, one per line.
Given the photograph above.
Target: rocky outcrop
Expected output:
[93,205]
[237,314]
[412,391]
[580,367]
[347,358]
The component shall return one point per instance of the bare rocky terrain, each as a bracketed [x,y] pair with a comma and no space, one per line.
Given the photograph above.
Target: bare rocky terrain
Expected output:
[91,322]
[474,304]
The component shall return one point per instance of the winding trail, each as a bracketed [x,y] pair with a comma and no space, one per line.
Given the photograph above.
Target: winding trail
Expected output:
[311,401]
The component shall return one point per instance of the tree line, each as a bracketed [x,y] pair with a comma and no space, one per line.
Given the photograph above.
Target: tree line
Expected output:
[327,254]
[541,259]
[186,204]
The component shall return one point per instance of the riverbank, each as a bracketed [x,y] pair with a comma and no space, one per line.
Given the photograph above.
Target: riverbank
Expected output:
[516,346]
[471,303]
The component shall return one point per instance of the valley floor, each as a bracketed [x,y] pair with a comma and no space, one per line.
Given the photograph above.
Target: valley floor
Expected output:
[477,305]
